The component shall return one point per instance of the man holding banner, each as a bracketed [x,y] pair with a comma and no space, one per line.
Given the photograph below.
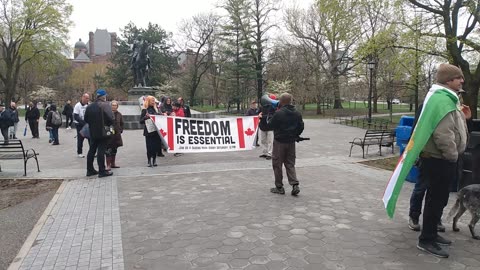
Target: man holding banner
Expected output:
[287,125]
[439,138]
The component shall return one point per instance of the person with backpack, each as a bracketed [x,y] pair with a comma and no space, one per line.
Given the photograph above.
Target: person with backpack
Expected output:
[54,121]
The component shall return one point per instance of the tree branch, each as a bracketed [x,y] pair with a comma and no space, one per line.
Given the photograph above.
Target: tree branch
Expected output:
[428,8]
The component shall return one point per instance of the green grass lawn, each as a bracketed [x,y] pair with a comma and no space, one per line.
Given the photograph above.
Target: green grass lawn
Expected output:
[206,108]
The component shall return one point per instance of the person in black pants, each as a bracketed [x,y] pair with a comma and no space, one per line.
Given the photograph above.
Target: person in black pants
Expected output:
[287,125]
[439,156]
[68,112]
[98,115]
[152,139]
[32,116]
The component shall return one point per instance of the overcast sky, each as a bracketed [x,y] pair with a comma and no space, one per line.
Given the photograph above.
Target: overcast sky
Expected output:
[88,15]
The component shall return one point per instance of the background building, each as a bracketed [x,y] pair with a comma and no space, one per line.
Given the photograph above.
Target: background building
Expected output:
[98,50]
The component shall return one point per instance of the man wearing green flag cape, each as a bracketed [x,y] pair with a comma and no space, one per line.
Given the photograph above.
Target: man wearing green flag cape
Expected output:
[439,137]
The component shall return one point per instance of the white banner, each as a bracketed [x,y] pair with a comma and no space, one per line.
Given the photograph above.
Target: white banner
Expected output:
[194,135]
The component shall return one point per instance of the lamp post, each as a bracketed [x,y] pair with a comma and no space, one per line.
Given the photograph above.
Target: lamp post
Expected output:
[371,65]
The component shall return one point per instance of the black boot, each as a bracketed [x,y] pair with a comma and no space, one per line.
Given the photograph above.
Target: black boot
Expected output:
[154,161]
[114,165]
[149,162]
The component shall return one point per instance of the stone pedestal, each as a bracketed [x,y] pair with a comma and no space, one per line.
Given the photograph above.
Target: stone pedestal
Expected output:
[136,92]
[132,109]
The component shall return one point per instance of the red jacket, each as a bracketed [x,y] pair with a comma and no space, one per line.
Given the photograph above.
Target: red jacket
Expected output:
[179,112]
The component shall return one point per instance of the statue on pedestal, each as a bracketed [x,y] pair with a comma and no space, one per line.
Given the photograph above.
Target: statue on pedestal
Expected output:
[140,62]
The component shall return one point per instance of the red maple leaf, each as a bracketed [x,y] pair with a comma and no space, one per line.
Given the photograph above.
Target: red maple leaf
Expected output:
[249,132]
[163,132]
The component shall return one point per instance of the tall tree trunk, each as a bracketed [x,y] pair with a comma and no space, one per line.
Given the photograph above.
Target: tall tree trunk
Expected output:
[319,95]
[374,89]
[472,87]
[337,104]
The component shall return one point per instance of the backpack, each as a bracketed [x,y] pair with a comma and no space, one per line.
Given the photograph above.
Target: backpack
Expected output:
[56,119]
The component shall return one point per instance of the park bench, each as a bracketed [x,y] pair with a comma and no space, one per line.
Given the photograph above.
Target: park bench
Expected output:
[14,150]
[382,138]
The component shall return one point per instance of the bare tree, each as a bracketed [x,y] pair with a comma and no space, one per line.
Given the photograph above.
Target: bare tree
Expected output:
[255,30]
[461,42]
[200,33]
[330,30]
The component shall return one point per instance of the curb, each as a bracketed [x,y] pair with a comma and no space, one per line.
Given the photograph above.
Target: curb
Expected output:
[27,245]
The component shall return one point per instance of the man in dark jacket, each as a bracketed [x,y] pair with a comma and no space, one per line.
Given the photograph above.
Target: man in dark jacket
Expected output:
[32,116]
[16,119]
[97,116]
[68,112]
[6,121]
[287,125]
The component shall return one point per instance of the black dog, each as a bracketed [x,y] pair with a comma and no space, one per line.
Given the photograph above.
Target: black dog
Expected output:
[468,198]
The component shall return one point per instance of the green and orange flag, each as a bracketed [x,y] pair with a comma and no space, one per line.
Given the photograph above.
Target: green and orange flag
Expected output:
[438,103]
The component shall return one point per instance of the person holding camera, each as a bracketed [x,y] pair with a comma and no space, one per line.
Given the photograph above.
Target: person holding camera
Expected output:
[287,125]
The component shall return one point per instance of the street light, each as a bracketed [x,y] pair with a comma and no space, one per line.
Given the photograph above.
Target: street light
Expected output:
[371,65]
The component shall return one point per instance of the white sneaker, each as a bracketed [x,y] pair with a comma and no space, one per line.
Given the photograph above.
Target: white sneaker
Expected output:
[69,128]
[81,156]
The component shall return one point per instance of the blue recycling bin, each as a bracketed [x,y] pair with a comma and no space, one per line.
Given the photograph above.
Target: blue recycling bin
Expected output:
[403,132]
[406,121]
[413,175]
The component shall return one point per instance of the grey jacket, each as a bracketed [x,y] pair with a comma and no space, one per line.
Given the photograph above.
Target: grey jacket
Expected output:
[449,139]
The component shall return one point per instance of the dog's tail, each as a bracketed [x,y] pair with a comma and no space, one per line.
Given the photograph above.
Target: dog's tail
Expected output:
[454,208]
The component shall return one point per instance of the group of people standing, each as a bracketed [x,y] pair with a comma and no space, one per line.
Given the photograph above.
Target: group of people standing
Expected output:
[101,124]
[165,107]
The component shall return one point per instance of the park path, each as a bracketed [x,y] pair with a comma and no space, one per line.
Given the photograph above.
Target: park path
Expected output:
[214,211]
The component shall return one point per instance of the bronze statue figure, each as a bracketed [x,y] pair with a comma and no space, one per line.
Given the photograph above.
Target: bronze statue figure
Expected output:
[140,62]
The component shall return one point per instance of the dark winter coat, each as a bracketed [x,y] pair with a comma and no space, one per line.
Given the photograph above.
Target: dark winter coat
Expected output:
[143,117]
[116,140]
[167,108]
[186,111]
[53,109]
[67,110]
[93,117]
[32,114]
[267,113]
[16,119]
[252,112]
[6,118]
[286,123]
[46,112]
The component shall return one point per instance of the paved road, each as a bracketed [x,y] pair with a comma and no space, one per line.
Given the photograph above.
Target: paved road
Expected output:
[214,211]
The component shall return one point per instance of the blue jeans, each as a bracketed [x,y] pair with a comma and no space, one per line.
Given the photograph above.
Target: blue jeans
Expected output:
[416,200]
[54,134]
[50,134]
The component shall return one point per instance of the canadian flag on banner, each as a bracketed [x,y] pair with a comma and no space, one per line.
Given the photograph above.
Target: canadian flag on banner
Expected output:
[194,135]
